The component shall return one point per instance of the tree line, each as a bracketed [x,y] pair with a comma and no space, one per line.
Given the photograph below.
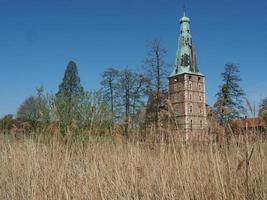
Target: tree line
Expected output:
[122,96]
[117,104]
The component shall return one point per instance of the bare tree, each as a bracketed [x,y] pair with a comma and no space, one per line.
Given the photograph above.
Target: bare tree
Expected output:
[140,88]
[131,87]
[157,69]
[110,78]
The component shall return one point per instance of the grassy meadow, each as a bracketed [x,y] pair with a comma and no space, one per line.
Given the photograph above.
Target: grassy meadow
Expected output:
[33,168]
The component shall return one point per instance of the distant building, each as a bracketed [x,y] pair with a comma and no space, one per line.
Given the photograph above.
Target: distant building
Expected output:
[249,124]
[187,85]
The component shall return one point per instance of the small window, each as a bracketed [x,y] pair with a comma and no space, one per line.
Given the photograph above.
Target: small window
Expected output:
[176,97]
[201,124]
[190,96]
[200,98]
[190,109]
[199,86]
[175,87]
[191,124]
[190,85]
[200,110]
[176,108]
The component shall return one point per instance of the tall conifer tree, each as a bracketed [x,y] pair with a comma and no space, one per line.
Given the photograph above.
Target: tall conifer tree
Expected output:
[263,110]
[71,84]
[69,95]
[230,98]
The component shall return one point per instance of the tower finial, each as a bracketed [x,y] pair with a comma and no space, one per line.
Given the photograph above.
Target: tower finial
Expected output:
[184,9]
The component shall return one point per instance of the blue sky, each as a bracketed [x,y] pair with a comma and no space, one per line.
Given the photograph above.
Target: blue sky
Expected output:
[38,38]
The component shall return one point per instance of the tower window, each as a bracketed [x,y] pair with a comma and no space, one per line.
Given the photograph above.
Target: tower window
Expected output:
[201,124]
[191,124]
[200,98]
[190,109]
[176,98]
[175,87]
[199,86]
[190,96]
[190,85]
[200,109]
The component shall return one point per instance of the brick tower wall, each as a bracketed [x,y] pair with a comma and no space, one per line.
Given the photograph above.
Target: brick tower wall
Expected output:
[187,97]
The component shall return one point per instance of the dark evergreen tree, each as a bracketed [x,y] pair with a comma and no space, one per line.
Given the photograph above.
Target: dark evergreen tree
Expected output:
[71,86]
[263,110]
[69,95]
[230,98]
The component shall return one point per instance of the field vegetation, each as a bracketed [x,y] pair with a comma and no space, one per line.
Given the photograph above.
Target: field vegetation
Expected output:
[113,168]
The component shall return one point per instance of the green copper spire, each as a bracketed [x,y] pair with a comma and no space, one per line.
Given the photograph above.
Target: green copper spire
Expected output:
[185,61]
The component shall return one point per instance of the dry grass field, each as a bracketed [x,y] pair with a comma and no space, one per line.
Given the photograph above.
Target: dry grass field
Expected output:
[31,169]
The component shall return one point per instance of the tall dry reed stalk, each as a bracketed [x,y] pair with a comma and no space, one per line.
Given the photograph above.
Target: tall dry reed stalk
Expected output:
[33,169]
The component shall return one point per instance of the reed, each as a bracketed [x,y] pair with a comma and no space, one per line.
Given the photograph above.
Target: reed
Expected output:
[34,168]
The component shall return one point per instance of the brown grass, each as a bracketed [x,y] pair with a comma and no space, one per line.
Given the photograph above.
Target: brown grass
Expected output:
[106,170]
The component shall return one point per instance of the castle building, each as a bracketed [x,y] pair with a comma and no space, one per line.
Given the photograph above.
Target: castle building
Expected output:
[187,85]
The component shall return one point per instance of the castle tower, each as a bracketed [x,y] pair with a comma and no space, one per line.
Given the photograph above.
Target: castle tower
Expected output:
[187,85]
